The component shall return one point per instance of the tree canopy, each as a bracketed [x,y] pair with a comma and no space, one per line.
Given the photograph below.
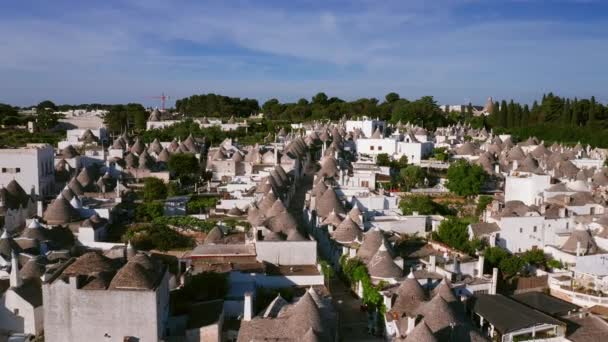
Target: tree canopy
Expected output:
[183,164]
[154,189]
[422,204]
[465,179]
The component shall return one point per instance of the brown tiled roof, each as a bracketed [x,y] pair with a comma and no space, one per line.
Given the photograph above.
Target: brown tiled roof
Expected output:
[421,333]
[409,296]
[371,242]
[60,212]
[89,264]
[382,265]
[327,202]
[347,232]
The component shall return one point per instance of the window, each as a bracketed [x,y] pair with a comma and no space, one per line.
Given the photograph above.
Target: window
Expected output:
[3,170]
[16,312]
[379,148]
[17,170]
[521,230]
[534,229]
[592,211]
[371,148]
[365,184]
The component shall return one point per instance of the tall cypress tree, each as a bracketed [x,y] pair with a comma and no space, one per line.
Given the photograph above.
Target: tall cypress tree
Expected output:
[592,111]
[566,116]
[576,114]
[504,114]
[525,116]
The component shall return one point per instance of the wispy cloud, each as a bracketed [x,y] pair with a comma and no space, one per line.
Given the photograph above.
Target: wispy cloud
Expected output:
[455,49]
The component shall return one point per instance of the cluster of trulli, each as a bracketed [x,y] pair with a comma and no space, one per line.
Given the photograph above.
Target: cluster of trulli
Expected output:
[420,315]
[310,319]
[155,156]
[499,157]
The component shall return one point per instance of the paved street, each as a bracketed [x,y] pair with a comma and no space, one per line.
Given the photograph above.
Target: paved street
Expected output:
[353,322]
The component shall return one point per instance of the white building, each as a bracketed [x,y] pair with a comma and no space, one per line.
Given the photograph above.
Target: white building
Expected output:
[526,187]
[367,126]
[31,166]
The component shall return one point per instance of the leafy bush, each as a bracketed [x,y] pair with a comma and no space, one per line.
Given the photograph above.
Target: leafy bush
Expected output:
[156,236]
[454,233]
[186,223]
[482,203]
[465,179]
[198,205]
[423,204]
[148,211]
[154,189]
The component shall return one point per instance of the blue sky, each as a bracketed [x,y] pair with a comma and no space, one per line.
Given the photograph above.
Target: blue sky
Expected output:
[117,51]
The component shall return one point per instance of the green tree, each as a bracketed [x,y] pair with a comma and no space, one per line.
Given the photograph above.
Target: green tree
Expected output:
[440,154]
[482,203]
[535,257]
[454,233]
[511,265]
[154,189]
[422,204]
[465,179]
[411,176]
[493,256]
[45,115]
[183,165]
[383,159]
[391,97]
[149,211]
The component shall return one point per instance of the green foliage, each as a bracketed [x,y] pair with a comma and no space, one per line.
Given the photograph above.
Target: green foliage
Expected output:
[482,203]
[554,119]
[198,205]
[465,179]
[156,236]
[328,271]
[454,233]
[212,104]
[534,257]
[355,271]
[411,176]
[186,223]
[123,118]
[45,116]
[148,211]
[17,138]
[441,154]
[46,105]
[423,204]
[423,112]
[554,263]
[154,189]
[183,164]
[493,256]
[383,159]
[511,265]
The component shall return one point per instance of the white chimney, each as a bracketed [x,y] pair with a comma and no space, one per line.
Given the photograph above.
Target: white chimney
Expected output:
[39,208]
[411,323]
[15,279]
[578,248]
[480,265]
[433,263]
[494,281]
[388,302]
[248,307]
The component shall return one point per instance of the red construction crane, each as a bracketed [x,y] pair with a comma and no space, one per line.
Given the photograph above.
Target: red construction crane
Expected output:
[163,98]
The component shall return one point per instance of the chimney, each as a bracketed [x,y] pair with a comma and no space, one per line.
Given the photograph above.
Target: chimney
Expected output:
[39,208]
[494,281]
[15,278]
[411,323]
[276,155]
[248,307]
[480,265]
[73,282]
[578,248]
[130,251]
[388,302]
[433,263]
[497,168]
[562,212]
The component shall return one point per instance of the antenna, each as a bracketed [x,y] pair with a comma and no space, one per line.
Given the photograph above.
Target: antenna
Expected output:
[163,98]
